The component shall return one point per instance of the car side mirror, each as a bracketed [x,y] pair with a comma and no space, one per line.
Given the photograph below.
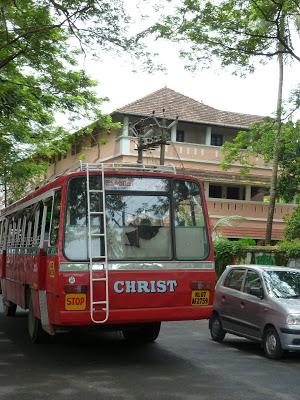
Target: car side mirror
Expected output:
[258,292]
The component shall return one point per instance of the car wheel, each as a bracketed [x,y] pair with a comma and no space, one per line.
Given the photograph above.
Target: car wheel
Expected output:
[271,344]
[9,308]
[216,331]
[145,333]
[35,330]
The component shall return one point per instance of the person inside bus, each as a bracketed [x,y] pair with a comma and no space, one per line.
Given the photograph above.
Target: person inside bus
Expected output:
[147,227]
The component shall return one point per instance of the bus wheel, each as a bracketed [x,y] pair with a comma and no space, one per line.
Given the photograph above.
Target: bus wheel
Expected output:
[35,330]
[9,308]
[144,333]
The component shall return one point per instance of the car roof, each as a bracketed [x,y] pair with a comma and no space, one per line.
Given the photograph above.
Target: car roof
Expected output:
[264,267]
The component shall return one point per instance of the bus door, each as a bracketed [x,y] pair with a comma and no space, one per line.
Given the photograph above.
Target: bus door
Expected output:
[38,246]
[48,278]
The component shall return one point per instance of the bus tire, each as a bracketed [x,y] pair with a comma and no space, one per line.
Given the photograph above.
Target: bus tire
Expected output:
[143,333]
[35,331]
[9,308]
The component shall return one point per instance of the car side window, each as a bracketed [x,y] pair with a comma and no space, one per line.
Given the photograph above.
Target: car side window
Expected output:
[252,281]
[235,279]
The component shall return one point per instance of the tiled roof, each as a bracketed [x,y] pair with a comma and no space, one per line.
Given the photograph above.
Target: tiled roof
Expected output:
[187,109]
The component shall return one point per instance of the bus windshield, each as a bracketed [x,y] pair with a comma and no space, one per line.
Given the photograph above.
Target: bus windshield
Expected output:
[146,219]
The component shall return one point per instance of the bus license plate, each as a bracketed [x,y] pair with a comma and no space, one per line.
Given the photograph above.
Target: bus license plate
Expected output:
[75,301]
[200,297]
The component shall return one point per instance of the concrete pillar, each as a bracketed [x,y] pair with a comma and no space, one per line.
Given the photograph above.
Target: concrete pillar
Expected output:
[206,189]
[124,141]
[208,136]
[125,131]
[248,193]
[173,133]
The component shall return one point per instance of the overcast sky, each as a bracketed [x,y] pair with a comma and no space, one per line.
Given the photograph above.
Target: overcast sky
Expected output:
[255,94]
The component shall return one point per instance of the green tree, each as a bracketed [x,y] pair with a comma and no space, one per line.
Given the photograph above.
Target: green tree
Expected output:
[41,42]
[239,33]
[292,229]
[259,141]
[289,178]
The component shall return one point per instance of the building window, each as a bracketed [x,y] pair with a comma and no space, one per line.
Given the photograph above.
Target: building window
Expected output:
[233,193]
[216,140]
[215,191]
[259,193]
[180,136]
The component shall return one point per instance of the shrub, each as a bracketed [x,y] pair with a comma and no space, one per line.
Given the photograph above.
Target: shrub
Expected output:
[225,253]
[292,227]
[247,242]
[290,248]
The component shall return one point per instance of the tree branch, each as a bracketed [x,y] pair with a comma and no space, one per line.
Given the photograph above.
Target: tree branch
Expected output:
[44,28]
[7,60]
[4,21]
[246,51]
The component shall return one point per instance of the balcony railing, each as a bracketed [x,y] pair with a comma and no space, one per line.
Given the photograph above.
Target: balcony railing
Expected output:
[196,152]
[247,209]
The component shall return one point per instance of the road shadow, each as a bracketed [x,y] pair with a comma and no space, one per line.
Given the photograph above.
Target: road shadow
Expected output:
[95,364]
[256,349]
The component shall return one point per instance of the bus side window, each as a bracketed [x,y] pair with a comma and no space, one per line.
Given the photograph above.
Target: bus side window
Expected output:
[54,228]
[38,217]
[10,232]
[46,220]
[30,225]
[23,232]
[28,234]
[18,234]
[1,233]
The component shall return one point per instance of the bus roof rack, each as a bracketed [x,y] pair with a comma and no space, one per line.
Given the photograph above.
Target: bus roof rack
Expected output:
[82,166]
[127,166]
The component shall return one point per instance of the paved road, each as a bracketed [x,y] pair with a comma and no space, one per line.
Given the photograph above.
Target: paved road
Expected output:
[183,364]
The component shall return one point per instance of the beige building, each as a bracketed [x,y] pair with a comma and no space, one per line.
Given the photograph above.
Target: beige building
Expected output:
[194,148]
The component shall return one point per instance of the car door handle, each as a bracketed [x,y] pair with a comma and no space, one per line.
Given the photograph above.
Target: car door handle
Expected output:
[223,299]
[242,304]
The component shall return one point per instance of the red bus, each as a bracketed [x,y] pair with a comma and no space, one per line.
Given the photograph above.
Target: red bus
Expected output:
[123,246]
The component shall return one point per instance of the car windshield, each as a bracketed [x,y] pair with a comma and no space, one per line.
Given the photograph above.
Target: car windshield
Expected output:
[285,284]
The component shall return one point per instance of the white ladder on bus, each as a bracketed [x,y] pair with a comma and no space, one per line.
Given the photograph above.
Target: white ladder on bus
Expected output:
[104,304]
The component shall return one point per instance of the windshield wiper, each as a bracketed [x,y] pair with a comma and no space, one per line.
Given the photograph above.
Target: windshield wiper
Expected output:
[295,296]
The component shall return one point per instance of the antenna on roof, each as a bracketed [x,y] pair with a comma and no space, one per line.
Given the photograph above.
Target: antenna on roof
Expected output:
[152,135]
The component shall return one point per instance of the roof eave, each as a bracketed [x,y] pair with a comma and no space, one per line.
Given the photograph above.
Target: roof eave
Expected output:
[203,122]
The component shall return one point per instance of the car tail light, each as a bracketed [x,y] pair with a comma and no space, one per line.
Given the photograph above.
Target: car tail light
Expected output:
[75,288]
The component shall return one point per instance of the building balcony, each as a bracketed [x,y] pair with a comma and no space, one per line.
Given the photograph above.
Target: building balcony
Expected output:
[253,217]
[199,156]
